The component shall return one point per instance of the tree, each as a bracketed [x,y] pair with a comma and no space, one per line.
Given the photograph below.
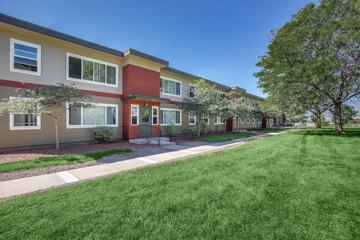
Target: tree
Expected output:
[316,54]
[52,101]
[348,113]
[204,102]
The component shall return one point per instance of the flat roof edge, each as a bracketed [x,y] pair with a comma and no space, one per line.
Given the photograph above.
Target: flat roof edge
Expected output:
[147,56]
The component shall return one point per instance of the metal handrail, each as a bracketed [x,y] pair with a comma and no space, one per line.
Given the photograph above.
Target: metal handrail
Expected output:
[149,131]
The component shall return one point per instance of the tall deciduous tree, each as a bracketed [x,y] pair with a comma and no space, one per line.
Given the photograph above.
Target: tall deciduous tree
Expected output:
[316,54]
[52,101]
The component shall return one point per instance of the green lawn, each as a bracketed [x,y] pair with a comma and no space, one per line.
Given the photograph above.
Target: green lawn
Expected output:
[270,130]
[291,186]
[227,137]
[58,160]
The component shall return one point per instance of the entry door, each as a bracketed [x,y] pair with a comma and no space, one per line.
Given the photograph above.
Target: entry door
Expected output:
[145,121]
[229,125]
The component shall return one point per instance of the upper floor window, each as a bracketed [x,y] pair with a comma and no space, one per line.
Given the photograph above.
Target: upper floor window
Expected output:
[192,91]
[90,70]
[25,57]
[170,87]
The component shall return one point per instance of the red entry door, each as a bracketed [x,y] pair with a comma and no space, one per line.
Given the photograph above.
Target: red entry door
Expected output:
[229,125]
[263,122]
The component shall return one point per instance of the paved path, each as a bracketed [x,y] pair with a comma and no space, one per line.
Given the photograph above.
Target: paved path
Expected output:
[28,185]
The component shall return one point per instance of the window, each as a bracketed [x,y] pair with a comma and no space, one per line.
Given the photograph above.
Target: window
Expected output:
[170,87]
[134,114]
[219,119]
[243,101]
[155,115]
[25,57]
[92,115]
[24,121]
[170,116]
[192,91]
[206,119]
[253,120]
[90,70]
[248,120]
[192,119]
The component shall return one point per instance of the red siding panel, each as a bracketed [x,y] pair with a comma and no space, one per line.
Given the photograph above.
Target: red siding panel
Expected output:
[140,81]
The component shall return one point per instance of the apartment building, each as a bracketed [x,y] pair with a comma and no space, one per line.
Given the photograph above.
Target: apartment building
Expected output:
[134,93]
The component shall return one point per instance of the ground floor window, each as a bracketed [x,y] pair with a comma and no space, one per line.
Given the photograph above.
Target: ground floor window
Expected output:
[206,119]
[219,119]
[134,114]
[192,119]
[24,121]
[92,115]
[170,116]
[155,115]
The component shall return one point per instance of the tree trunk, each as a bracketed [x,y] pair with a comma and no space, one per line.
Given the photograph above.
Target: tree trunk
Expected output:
[318,120]
[57,134]
[284,119]
[199,128]
[338,118]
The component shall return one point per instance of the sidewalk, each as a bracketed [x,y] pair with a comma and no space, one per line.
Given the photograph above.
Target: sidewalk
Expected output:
[27,185]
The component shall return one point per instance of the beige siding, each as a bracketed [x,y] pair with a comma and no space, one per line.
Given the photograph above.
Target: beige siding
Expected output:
[53,60]
[46,135]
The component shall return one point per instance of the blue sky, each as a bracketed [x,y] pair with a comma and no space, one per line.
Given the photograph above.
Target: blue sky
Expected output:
[218,40]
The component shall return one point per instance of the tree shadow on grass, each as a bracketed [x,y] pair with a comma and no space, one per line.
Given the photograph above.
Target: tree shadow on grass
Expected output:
[348,132]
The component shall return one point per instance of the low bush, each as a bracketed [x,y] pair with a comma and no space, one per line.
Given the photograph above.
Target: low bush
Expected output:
[102,134]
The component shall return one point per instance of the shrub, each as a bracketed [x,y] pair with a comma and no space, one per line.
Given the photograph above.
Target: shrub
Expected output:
[102,134]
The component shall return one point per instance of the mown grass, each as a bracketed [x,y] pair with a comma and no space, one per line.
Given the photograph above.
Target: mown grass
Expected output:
[58,160]
[227,137]
[298,185]
[270,130]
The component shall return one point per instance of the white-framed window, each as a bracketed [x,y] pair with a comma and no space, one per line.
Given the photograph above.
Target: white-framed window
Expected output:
[155,115]
[25,57]
[191,91]
[91,115]
[192,119]
[206,119]
[134,114]
[24,121]
[253,120]
[84,69]
[170,116]
[170,87]
[219,119]
[248,120]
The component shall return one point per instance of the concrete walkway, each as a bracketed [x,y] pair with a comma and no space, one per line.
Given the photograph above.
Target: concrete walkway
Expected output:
[28,185]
